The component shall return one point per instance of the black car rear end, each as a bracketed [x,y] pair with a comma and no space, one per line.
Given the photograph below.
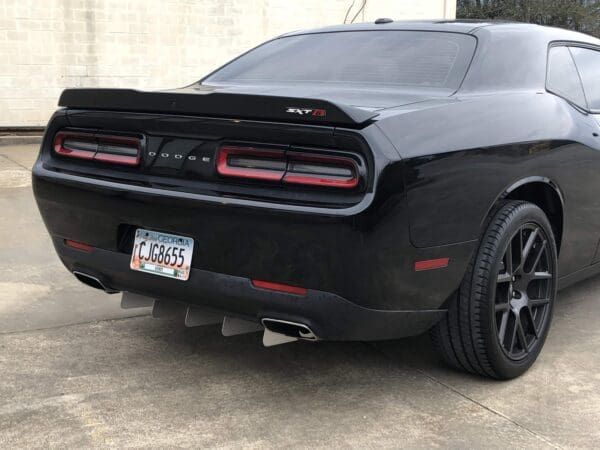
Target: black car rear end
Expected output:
[294,198]
[346,248]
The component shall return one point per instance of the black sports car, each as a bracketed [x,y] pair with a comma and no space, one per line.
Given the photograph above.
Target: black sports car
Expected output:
[357,182]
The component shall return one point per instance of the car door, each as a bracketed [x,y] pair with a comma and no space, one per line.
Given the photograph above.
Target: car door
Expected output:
[577,173]
[587,62]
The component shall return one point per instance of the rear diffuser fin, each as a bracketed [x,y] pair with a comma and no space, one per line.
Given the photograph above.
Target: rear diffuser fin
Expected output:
[167,309]
[233,326]
[130,300]
[270,338]
[196,317]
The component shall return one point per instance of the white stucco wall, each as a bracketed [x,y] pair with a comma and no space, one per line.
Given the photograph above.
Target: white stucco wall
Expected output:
[47,45]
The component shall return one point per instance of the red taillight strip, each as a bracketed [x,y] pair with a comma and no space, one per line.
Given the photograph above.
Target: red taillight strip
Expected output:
[106,147]
[257,173]
[59,140]
[117,159]
[78,245]
[431,264]
[104,153]
[323,180]
[289,172]
[279,287]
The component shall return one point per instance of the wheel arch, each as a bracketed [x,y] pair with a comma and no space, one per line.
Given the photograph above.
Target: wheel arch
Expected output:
[542,192]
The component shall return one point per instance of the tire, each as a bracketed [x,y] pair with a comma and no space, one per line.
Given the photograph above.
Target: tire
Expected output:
[499,319]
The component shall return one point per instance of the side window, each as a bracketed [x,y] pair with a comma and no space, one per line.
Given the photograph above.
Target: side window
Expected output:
[588,64]
[562,78]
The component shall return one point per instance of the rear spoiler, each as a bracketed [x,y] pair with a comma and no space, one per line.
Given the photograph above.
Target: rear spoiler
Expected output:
[207,102]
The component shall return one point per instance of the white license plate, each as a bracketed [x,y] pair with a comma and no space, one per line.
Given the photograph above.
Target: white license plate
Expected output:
[163,254]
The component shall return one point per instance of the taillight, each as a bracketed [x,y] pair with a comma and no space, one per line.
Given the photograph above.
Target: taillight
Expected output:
[250,162]
[309,169]
[76,145]
[99,147]
[321,170]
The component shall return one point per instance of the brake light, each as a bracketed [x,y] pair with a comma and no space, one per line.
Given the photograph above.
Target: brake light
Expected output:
[99,147]
[309,169]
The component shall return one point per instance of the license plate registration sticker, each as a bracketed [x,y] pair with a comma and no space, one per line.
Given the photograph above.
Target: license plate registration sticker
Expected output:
[163,254]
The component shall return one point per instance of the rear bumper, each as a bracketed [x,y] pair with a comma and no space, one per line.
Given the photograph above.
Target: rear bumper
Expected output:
[328,315]
[357,264]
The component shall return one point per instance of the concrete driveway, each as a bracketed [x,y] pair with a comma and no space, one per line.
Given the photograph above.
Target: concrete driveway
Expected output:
[77,371]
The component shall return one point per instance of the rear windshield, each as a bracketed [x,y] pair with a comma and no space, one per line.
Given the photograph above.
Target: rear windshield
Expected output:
[383,58]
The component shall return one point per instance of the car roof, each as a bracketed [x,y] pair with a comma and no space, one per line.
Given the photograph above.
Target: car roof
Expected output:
[459,26]
[464,26]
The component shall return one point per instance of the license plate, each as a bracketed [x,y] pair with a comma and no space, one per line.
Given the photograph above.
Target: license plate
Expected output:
[163,254]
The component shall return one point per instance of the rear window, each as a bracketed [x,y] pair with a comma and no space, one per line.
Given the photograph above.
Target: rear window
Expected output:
[382,58]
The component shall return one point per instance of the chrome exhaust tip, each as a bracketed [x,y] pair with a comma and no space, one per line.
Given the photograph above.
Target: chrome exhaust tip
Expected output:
[93,281]
[290,329]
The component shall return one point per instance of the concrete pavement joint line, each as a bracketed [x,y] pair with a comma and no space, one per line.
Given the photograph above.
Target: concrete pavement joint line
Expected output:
[15,162]
[488,408]
[112,319]
[472,400]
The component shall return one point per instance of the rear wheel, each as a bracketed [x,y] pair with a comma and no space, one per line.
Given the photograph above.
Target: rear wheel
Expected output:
[498,321]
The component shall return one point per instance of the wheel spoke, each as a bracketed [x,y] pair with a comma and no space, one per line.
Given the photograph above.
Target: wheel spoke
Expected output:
[504,278]
[521,247]
[513,337]
[539,255]
[500,307]
[534,326]
[537,302]
[542,275]
[509,260]
[503,325]
[528,246]
[521,335]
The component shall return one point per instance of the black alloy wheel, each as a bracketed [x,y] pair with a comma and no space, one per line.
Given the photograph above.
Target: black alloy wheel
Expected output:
[523,291]
[499,319]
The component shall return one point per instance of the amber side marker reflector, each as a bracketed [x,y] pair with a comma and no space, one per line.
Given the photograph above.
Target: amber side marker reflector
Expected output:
[279,287]
[78,245]
[431,264]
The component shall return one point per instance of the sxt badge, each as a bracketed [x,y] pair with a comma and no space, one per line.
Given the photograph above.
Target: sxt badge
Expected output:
[306,111]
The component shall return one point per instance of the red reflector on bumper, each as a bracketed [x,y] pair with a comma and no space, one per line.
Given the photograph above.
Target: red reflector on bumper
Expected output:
[78,245]
[430,264]
[279,287]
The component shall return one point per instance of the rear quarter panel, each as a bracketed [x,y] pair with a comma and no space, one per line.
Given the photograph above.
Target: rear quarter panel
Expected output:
[461,156]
